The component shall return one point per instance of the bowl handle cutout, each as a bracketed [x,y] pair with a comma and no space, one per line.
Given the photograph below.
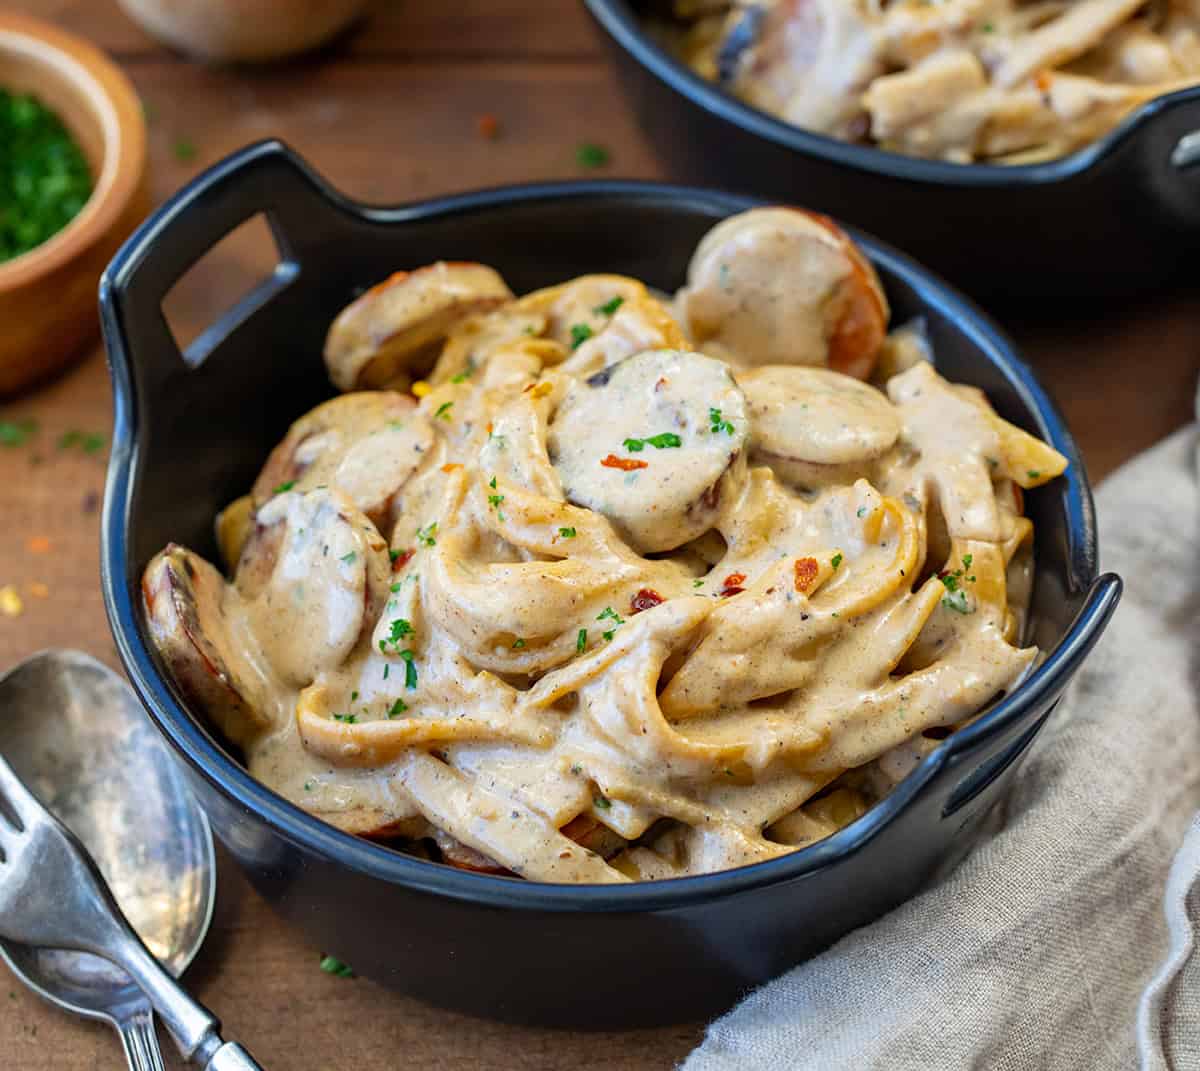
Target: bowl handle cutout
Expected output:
[265,179]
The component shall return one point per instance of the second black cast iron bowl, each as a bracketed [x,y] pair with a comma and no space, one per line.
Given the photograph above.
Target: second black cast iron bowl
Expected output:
[193,428]
[1121,215]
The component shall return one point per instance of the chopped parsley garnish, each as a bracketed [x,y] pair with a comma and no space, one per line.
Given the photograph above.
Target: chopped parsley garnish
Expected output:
[567,533]
[16,432]
[392,554]
[427,536]
[400,628]
[396,586]
[603,803]
[956,601]
[659,442]
[308,786]
[518,644]
[718,423]
[349,718]
[397,708]
[184,150]
[287,485]
[860,511]
[410,669]
[956,598]
[443,411]
[581,641]
[836,560]
[88,442]
[1033,474]
[698,583]
[608,613]
[336,967]
[988,27]
[666,439]
[495,500]
[576,769]
[590,155]
[609,307]
[580,333]
[353,695]
[349,559]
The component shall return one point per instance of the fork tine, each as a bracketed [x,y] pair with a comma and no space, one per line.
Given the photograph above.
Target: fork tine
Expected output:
[18,798]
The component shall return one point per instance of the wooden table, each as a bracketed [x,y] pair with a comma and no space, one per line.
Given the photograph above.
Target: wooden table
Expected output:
[391,113]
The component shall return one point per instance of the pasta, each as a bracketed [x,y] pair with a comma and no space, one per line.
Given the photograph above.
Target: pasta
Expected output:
[594,585]
[1000,81]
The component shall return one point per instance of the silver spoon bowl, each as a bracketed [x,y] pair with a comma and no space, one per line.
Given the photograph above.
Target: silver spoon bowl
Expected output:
[73,732]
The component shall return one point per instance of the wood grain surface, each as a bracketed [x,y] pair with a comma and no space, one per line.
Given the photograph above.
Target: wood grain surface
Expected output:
[390,112]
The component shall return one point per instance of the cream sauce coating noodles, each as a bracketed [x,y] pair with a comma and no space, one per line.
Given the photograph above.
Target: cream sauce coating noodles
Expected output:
[591,605]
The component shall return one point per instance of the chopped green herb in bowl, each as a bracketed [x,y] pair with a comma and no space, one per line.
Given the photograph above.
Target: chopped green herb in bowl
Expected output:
[44,176]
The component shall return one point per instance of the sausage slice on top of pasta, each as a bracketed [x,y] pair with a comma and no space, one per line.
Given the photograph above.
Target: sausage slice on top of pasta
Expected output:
[627,588]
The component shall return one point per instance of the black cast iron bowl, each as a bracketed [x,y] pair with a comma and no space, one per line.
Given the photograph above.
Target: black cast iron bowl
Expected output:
[191,432]
[1119,216]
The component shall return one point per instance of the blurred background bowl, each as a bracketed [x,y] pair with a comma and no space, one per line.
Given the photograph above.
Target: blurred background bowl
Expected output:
[1120,216]
[48,295]
[224,31]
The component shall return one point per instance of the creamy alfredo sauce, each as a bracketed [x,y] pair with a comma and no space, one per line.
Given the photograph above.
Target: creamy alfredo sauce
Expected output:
[598,607]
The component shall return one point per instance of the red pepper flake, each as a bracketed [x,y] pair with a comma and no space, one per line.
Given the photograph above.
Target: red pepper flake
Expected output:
[1042,80]
[625,464]
[488,126]
[451,466]
[403,559]
[732,584]
[644,600]
[662,382]
[806,570]
[38,545]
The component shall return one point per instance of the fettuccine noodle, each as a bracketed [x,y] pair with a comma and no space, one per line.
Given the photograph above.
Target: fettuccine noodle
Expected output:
[624,588]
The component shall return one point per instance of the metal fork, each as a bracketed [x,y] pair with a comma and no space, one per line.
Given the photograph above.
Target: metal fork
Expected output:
[53,896]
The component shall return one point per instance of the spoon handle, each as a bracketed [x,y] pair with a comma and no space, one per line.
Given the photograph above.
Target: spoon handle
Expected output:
[139,1040]
[232,1057]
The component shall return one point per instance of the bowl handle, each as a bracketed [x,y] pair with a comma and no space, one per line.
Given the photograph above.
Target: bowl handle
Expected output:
[267,178]
[985,756]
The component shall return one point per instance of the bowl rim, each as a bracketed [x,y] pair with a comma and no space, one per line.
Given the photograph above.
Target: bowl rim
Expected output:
[621,24]
[116,108]
[199,748]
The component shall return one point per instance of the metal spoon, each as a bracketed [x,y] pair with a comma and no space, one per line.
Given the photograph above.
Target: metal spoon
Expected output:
[74,733]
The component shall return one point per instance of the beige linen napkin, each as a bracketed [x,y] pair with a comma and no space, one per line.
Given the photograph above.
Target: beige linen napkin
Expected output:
[1061,942]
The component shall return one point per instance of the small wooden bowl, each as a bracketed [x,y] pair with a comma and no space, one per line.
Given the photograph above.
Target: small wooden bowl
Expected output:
[48,295]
